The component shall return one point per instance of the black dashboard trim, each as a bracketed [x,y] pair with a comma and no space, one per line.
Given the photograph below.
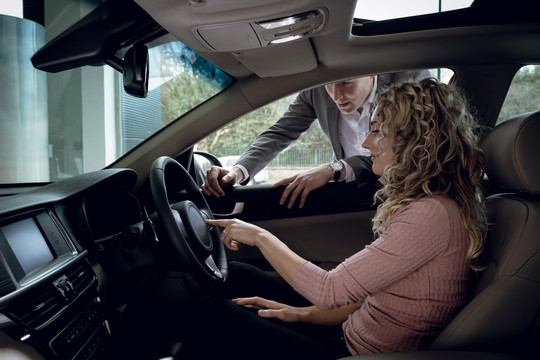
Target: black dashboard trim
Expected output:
[62,190]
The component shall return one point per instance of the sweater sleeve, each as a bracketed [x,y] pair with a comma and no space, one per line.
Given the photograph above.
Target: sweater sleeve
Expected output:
[416,235]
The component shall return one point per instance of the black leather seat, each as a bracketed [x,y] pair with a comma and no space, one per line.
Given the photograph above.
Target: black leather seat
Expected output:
[504,314]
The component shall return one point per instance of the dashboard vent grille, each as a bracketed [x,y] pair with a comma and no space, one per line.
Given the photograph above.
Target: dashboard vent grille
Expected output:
[81,278]
[43,305]
[40,310]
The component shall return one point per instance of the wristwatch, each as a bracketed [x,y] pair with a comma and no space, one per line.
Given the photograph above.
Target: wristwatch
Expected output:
[337,167]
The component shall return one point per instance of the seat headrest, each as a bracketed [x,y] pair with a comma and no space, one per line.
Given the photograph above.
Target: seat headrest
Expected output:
[512,151]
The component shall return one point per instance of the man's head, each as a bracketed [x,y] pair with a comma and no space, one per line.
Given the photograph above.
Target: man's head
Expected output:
[350,95]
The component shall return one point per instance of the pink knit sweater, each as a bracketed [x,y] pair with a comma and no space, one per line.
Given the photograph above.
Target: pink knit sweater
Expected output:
[408,284]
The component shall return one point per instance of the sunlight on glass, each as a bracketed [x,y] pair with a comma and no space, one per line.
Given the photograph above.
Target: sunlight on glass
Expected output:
[526,81]
[392,9]
[162,67]
[12,8]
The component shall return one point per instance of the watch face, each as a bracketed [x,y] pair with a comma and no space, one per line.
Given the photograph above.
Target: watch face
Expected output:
[336,166]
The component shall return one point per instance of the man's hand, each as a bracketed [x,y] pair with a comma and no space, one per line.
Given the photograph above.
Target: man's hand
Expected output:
[217,176]
[303,183]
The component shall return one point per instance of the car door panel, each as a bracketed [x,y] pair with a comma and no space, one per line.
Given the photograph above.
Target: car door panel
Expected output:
[334,223]
[323,239]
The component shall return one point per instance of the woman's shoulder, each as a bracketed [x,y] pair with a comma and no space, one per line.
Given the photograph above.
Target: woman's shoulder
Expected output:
[438,201]
[426,219]
[437,207]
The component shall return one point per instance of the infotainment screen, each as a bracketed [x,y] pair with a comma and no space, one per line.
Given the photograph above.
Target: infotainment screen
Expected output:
[28,244]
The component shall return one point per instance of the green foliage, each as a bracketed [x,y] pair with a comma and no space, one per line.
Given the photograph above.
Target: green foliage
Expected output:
[192,80]
[176,101]
[523,95]
[237,136]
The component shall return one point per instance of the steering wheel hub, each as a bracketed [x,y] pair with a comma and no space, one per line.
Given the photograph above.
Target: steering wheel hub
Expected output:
[197,231]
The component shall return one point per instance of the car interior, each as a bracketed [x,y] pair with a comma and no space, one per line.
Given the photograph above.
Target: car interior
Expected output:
[96,256]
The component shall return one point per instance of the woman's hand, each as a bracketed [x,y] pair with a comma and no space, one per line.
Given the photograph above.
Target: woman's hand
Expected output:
[236,232]
[273,309]
[310,314]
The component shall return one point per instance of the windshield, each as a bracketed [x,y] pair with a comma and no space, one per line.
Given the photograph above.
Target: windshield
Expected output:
[57,125]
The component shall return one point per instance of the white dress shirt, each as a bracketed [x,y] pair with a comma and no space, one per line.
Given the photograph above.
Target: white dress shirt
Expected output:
[353,130]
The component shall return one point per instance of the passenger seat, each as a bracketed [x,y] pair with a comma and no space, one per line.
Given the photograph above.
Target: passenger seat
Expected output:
[502,321]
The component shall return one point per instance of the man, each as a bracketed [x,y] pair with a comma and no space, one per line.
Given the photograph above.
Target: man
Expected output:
[343,110]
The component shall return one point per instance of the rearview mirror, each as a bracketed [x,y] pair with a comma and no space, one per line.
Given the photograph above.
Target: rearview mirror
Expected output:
[135,71]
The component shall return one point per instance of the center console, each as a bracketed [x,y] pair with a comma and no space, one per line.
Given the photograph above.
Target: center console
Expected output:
[48,290]
[62,318]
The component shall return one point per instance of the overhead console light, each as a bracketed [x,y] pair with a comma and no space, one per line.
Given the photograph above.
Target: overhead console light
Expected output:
[260,33]
[274,24]
[287,39]
[292,27]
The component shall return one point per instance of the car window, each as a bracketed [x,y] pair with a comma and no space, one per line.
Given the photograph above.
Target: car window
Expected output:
[57,125]
[392,9]
[228,143]
[523,95]
[310,150]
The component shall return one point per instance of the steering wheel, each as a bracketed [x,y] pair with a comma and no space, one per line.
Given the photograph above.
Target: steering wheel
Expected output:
[196,243]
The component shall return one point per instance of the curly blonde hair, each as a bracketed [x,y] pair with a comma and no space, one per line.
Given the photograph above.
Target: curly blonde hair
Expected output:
[436,152]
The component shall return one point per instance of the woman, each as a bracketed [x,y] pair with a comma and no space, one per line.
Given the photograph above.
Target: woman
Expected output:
[399,292]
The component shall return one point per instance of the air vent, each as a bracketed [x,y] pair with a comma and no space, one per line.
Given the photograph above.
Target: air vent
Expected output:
[39,307]
[81,278]
[39,310]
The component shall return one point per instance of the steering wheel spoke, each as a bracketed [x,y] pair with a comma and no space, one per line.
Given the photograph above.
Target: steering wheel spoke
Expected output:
[213,267]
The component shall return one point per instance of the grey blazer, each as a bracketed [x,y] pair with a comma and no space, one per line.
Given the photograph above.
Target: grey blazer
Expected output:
[308,106]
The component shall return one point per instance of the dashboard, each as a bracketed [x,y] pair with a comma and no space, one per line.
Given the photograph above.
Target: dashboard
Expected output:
[53,244]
